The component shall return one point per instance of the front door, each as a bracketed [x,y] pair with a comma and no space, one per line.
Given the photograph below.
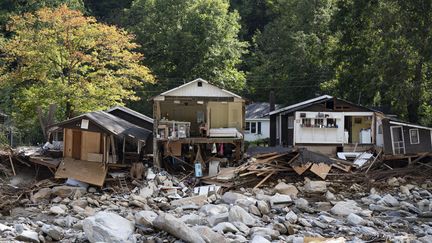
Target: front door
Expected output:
[76,145]
[397,140]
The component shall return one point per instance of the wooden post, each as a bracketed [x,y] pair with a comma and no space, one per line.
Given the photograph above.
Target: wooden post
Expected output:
[124,149]
[156,118]
[114,154]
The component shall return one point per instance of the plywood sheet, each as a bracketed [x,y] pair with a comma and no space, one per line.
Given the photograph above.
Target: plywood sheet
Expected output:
[320,170]
[90,172]
[90,144]
[300,169]
[174,148]
[67,143]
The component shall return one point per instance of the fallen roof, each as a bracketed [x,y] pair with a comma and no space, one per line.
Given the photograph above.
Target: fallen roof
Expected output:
[402,123]
[258,110]
[112,124]
[131,112]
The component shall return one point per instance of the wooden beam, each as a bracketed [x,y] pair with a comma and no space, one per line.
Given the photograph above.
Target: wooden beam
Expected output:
[263,180]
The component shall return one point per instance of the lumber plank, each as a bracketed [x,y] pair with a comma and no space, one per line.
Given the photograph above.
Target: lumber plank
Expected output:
[300,169]
[263,180]
[320,170]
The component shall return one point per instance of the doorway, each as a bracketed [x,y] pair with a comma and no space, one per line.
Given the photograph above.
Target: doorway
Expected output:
[76,145]
[398,141]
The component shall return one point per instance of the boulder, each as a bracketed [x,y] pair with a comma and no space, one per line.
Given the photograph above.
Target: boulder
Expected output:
[193,219]
[55,232]
[315,187]
[42,194]
[354,219]
[263,207]
[57,210]
[291,217]
[274,234]
[344,208]
[259,239]
[211,209]
[242,227]
[67,191]
[237,213]
[108,227]
[177,228]
[225,227]
[28,236]
[199,200]
[219,218]
[389,200]
[286,189]
[145,218]
[232,197]
[209,235]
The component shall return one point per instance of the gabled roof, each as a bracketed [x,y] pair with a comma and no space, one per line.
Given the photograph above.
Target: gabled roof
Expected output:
[302,104]
[131,112]
[112,124]
[258,110]
[191,89]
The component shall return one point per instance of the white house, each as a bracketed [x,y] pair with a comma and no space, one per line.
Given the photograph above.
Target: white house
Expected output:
[257,121]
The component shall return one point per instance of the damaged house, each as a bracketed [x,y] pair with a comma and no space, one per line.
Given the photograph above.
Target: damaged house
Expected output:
[196,121]
[95,141]
[329,125]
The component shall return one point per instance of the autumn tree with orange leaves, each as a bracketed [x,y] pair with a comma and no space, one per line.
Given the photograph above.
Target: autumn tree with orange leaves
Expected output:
[60,56]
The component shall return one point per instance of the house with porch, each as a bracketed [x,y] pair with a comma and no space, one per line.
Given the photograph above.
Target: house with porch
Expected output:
[328,125]
[197,120]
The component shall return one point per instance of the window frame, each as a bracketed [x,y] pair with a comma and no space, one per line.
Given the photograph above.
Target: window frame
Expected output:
[418,135]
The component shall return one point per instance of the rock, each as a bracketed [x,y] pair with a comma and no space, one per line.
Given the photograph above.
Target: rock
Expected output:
[80,203]
[242,227]
[393,181]
[280,227]
[354,219]
[291,217]
[146,192]
[28,236]
[426,239]
[264,232]
[57,210]
[42,194]
[405,190]
[145,218]
[280,200]
[211,209]
[5,228]
[232,197]
[209,235]
[108,227]
[409,207]
[177,228]
[237,213]
[315,186]
[245,202]
[369,232]
[219,218]
[225,227]
[254,210]
[304,222]
[199,200]
[286,189]
[379,208]
[259,239]
[193,219]
[344,208]
[67,191]
[263,207]
[319,224]
[389,200]
[301,203]
[53,231]
[330,196]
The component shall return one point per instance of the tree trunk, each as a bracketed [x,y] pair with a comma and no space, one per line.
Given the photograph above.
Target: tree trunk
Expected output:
[414,100]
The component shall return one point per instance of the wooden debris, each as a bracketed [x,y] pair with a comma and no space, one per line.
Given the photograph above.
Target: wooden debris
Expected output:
[320,170]
[300,169]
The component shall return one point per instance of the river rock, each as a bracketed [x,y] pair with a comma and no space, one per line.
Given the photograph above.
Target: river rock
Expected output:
[225,227]
[67,191]
[237,213]
[344,208]
[55,232]
[42,194]
[108,227]
[177,228]
[354,219]
[209,235]
[232,197]
[28,236]
[286,189]
[315,186]
[145,218]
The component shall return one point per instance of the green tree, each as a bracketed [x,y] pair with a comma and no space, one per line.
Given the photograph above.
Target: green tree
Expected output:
[186,39]
[59,56]
[290,55]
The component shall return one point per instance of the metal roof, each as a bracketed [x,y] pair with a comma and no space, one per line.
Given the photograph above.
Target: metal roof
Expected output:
[258,110]
[302,104]
[131,112]
[113,124]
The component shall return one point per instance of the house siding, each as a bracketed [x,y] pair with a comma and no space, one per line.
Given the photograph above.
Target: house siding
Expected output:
[423,146]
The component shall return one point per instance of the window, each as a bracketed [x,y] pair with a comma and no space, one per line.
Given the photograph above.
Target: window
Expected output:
[253,127]
[199,83]
[319,122]
[306,122]
[200,117]
[414,136]
[247,127]
[331,122]
[290,122]
[259,127]
[380,129]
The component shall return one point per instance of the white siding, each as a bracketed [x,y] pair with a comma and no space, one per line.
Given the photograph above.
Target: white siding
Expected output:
[265,130]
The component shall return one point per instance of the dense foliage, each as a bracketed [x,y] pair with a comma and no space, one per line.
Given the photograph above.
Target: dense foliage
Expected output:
[374,53]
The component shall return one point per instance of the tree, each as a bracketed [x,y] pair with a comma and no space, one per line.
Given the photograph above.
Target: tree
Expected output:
[58,56]
[290,56]
[187,39]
